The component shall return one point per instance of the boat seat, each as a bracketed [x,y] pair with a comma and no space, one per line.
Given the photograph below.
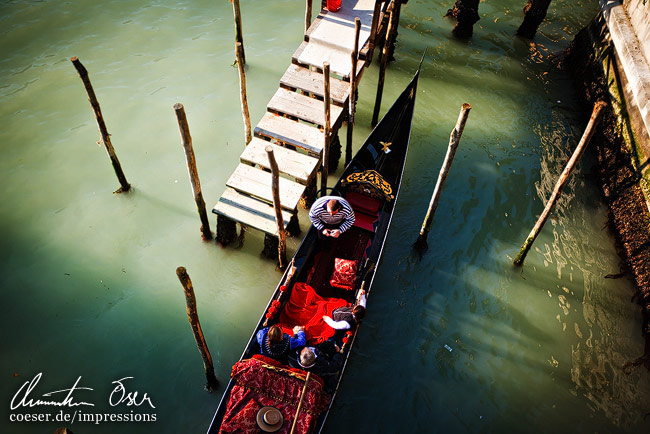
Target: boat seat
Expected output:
[366,210]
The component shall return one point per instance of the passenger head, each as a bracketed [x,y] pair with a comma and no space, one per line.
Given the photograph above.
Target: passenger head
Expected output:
[275,334]
[307,358]
[359,312]
[333,206]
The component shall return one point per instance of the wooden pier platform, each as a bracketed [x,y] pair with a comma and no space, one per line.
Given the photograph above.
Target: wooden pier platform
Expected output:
[294,122]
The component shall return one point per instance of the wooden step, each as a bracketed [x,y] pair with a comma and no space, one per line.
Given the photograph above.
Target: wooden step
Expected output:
[291,132]
[297,77]
[293,163]
[257,182]
[303,107]
[249,211]
[343,71]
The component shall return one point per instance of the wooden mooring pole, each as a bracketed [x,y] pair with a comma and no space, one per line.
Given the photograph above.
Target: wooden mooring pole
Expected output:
[307,15]
[382,67]
[106,138]
[186,141]
[420,244]
[275,186]
[354,57]
[561,182]
[327,130]
[534,14]
[239,54]
[193,317]
[466,14]
[373,29]
[238,30]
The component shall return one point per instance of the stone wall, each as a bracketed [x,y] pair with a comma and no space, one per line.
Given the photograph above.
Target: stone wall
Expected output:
[639,13]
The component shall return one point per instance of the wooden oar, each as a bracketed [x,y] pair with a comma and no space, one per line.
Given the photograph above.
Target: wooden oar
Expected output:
[302,397]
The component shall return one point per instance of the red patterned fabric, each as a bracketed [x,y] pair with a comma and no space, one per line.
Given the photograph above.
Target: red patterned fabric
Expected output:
[261,382]
[306,308]
[345,273]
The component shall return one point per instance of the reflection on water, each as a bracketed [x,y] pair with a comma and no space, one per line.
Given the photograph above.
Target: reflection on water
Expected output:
[459,341]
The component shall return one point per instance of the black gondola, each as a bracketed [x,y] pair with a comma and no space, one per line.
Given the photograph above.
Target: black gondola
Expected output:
[370,183]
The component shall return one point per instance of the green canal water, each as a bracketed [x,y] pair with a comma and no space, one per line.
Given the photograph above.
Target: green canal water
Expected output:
[458,342]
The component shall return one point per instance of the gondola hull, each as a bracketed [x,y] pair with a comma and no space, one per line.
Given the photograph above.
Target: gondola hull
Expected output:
[370,183]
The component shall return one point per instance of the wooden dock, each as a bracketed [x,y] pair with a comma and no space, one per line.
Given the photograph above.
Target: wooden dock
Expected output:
[294,122]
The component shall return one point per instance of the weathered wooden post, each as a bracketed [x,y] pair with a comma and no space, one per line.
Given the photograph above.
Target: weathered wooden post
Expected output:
[239,54]
[354,57]
[420,244]
[186,141]
[327,129]
[238,31]
[466,14]
[382,68]
[193,317]
[275,187]
[397,8]
[561,182]
[307,15]
[534,13]
[106,138]
[373,29]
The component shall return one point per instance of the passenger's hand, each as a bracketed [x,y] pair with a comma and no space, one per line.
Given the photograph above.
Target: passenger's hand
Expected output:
[335,233]
[297,329]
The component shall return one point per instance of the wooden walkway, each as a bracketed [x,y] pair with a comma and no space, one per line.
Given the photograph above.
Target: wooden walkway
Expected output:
[294,121]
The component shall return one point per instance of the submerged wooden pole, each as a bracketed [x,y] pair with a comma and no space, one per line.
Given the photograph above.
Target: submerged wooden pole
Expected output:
[454,140]
[354,57]
[534,13]
[466,14]
[239,54]
[193,317]
[106,138]
[382,68]
[302,398]
[561,182]
[307,15]
[238,30]
[327,129]
[275,187]
[186,141]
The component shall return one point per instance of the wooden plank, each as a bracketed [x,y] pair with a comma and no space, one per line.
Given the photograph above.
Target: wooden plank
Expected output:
[303,107]
[335,70]
[297,77]
[249,211]
[257,182]
[292,163]
[291,132]
[331,37]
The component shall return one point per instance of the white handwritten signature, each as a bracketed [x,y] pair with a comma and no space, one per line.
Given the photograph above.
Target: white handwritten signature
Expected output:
[20,399]
[119,395]
[130,398]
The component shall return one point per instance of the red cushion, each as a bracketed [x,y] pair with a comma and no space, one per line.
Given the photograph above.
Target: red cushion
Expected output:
[345,273]
[363,203]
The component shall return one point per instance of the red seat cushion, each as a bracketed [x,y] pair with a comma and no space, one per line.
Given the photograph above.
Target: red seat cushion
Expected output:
[345,273]
[363,203]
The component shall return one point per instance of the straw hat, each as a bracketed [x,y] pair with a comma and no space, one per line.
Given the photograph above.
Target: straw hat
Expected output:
[269,419]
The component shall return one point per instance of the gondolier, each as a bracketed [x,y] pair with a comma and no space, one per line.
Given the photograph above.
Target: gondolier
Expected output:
[331,215]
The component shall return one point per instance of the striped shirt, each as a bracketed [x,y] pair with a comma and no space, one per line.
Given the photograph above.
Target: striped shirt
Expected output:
[320,217]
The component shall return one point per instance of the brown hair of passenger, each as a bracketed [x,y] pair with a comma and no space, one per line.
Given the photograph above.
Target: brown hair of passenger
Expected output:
[359,312]
[275,334]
